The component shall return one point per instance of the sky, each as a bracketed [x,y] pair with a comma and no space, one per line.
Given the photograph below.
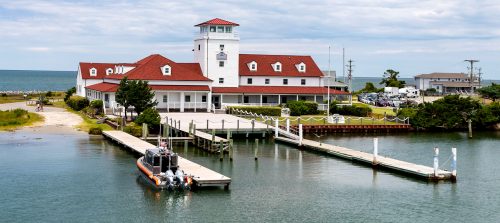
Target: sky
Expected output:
[412,37]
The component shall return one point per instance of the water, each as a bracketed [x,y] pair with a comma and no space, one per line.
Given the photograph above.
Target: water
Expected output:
[86,179]
[28,80]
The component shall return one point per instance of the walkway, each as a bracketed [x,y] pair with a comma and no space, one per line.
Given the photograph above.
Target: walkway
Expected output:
[53,116]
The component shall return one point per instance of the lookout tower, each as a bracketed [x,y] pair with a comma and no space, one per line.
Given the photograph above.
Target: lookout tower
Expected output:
[217,49]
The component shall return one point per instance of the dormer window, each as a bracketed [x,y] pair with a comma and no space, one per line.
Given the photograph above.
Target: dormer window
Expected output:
[166,70]
[93,72]
[252,66]
[301,67]
[109,71]
[277,67]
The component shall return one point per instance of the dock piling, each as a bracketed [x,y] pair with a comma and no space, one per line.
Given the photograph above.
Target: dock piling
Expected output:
[301,135]
[221,150]
[185,147]
[276,127]
[230,149]
[287,125]
[454,163]
[436,161]
[256,148]
[375,150]
[213,139]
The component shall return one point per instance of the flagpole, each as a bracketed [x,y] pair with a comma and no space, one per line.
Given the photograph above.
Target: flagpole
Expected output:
[328,84]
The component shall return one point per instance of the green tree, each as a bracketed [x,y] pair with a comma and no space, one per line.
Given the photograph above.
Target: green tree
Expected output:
[369,87]
[141,96]
[69,93]
[149,116]
[123,95]
[390,79]
[492,91]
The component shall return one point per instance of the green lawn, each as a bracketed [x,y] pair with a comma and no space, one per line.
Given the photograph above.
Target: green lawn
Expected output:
[13,119]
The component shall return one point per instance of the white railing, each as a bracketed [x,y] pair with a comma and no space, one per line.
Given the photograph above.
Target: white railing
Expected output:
[225,105]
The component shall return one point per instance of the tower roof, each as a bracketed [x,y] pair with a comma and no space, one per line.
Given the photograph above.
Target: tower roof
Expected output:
[218,21]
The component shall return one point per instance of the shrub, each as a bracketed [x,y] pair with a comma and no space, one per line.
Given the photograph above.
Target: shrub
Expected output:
[69,93]
[149,116]
[49,94]
[354,110]
[97,105]
[4,95]
[77,103]
[298,108]
[95,131]
[134,130]
[261,110]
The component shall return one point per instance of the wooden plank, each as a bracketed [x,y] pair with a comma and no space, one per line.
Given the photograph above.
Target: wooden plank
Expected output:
[367,158]
[201,175]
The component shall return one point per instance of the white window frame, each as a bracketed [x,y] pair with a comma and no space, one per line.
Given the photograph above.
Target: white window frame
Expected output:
[251,66]
[267,81]
[109,71]
[221,80]
[249,80]
[301,67]
[169,70]
[278,67]
[93,72]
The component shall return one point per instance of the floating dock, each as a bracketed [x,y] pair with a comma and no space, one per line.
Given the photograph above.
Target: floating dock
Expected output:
[398,166]
[202,176]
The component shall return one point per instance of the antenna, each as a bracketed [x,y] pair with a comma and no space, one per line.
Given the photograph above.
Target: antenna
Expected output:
[471,73]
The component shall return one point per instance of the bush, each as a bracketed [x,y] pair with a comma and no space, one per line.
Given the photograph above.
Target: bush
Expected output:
[4,95]
[133,129]
[97,105]
[149,116]
[77,103]
[95,131]
[49,94]
[354,110]
[298,108]
[261,110]
[69,93]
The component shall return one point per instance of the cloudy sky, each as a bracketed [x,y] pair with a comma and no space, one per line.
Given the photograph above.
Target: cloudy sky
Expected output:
[409,36]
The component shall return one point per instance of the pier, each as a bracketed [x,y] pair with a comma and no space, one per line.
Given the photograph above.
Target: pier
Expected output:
[202,176]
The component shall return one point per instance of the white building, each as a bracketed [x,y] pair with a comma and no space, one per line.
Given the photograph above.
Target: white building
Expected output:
[447,82]
[220,75]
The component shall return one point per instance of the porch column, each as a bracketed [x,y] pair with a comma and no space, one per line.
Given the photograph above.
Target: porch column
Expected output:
[221,100]
[182,102]
[279,99]
[260,100]
[297,97]
[315,98]
[195,101]
[168,101]
[209,101]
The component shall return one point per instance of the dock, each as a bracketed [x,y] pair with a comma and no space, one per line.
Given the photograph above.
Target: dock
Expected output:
[394,165]
[202,176]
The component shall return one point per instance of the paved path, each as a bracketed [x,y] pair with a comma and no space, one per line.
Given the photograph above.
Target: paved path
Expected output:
[53,116]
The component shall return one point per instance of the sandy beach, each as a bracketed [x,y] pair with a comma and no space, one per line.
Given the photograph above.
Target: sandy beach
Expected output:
[57,120]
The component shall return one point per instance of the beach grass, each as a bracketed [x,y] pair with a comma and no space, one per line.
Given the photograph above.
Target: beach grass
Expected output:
[13,119]
[87,123]
[10,98]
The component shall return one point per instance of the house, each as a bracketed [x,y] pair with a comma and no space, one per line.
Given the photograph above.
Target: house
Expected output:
[219,76]
[445,83]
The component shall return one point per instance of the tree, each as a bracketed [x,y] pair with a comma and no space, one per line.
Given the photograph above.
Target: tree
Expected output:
[390,79]
[369,87]
[492,91]
[149,116]
[123,95]
[69,93]
[141,96]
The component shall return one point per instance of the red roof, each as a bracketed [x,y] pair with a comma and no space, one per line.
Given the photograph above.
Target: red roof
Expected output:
[277,90]
[288,65]
[103,87]
[110,87]
[218,21]
[148,68]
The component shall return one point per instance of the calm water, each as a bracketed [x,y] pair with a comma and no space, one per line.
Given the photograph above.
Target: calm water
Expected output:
[61,178]
[25,80]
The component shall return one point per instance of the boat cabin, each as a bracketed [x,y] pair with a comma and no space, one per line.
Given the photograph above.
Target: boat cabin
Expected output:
[160,161]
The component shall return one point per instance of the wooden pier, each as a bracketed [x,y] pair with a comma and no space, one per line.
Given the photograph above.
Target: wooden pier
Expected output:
[398,166]
[202,176]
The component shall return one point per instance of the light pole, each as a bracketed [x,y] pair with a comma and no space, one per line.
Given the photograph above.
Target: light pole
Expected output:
[328,85]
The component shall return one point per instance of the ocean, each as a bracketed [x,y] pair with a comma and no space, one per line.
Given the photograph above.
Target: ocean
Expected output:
[34,80]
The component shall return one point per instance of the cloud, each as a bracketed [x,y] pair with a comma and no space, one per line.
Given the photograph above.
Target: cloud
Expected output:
[117,30]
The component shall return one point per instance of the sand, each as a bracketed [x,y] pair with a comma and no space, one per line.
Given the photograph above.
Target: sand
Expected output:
[56,119]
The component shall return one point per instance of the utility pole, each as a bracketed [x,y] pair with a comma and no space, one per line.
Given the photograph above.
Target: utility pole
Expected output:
[328,85]
[471,72]
[349,77]
[343,65]
[479,73]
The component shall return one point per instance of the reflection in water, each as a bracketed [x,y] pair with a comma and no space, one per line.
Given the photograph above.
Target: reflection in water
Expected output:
[164,199]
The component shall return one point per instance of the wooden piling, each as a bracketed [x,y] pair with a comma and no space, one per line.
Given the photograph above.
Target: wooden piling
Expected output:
[221,150]
[230,149]
[256,148]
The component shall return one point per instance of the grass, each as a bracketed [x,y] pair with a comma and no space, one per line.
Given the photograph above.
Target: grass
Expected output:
[13,119]
[11,98]
[87,123]
[4,98]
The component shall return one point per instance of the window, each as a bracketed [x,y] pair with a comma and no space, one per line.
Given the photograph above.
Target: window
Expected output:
[212,29]
[267,81]
[203,98]
[252,66]
[166,70]
[187,98]
[199,47]
[245,99]
[221,63]
[285,81]
[165,99]
[301,67]
[302,81]
[277,67]
[221,80]
[93,72]
[249,80]
[109,71]
[229,29]
[221,47]
[220,29]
